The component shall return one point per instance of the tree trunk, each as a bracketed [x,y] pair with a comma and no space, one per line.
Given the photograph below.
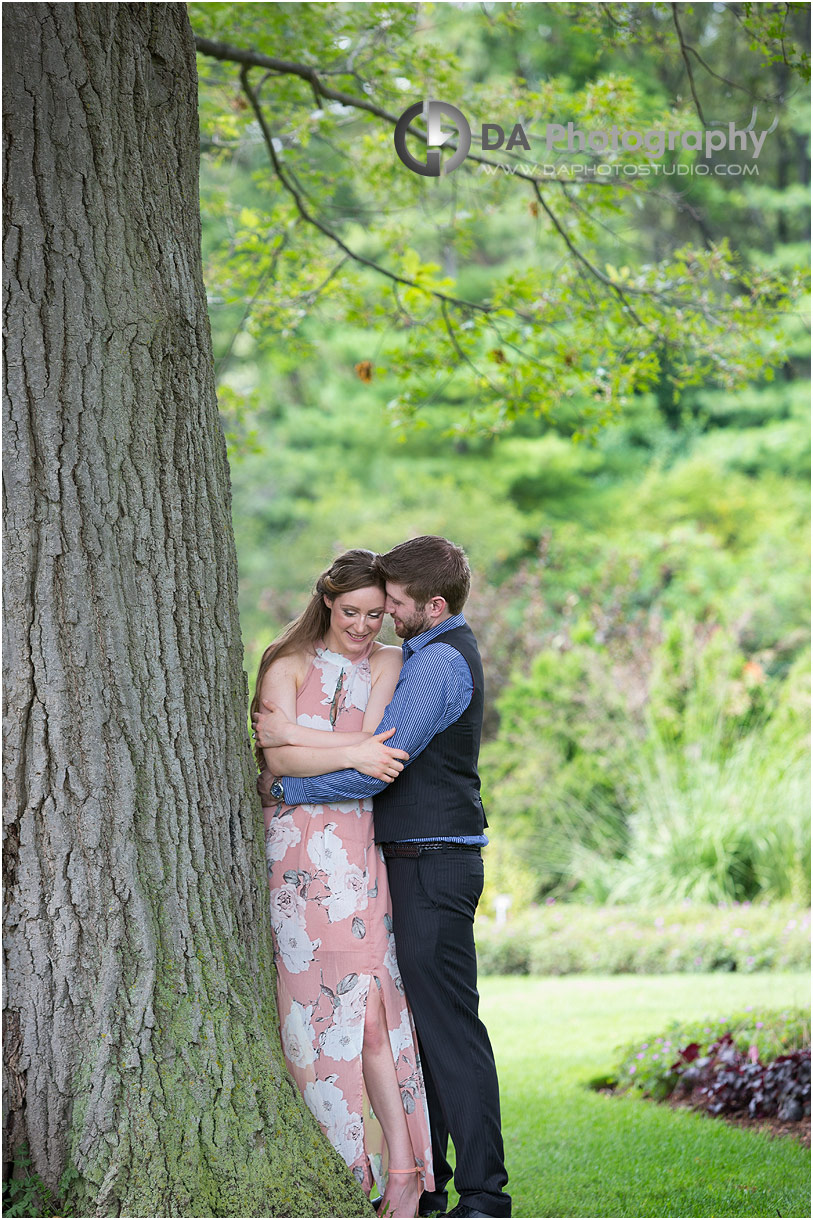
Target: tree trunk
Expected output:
[141,1037]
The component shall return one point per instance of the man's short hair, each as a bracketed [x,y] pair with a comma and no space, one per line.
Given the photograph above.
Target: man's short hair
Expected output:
[429,567]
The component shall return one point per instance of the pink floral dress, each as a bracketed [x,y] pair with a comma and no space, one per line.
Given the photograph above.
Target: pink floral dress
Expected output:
[332,925]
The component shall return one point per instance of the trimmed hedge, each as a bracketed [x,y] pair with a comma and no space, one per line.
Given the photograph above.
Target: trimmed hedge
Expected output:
[563,938]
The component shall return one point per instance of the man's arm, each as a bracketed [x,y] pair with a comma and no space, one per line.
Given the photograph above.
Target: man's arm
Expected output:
[433,691]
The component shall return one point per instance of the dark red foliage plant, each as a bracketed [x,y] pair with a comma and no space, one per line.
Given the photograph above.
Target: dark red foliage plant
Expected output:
[728,1080]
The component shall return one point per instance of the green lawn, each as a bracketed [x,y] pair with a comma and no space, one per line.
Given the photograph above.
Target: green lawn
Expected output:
[573,1152]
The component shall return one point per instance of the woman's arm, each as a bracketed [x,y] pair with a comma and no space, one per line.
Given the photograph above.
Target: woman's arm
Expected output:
[279,725]
[316,751]
[385,664]
[280,731]
[370,756]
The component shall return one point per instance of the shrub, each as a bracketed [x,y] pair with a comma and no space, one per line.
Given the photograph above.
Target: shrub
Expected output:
[565,938]
[664,765]
[556,772]
[26,1194]
[727,1081]
[507,953]
[713,821]
[751,1063]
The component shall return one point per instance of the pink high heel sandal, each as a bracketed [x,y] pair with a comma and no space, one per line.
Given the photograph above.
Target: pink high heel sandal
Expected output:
[378,1202]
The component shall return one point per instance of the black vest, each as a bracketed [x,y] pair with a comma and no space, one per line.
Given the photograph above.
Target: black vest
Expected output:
[438,794]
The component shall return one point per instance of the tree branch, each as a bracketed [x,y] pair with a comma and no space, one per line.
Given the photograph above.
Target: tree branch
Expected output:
[249,59]
[594,271]
[684,50]
[254,59]
[329,233]
[724,79]
[284,67]
[224,359]
[460,353]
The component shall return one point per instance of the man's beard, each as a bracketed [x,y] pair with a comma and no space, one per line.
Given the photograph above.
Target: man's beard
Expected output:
[410,627]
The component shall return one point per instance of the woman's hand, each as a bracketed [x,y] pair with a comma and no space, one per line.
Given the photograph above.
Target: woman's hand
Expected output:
[372,757]
[272,728]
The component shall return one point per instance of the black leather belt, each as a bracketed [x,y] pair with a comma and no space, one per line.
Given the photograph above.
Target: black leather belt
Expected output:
[418,849]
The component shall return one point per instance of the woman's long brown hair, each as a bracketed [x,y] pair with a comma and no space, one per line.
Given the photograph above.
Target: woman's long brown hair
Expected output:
[354,569]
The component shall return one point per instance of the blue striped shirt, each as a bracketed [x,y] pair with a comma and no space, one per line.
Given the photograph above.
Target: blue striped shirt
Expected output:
[433,691]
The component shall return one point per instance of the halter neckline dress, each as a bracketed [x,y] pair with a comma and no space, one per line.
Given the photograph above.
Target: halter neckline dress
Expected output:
[332,925]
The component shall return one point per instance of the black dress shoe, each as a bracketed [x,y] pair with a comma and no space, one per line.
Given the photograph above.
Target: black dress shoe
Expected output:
[432,1203]
[462,1210]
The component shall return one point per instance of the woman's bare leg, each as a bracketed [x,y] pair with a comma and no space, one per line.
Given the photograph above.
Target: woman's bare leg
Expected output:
[401,1195]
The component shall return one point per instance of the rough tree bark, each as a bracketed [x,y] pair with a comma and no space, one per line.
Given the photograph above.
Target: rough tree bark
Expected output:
[141,1040]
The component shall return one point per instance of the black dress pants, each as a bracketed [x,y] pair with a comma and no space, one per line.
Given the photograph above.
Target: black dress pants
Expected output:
[434,897]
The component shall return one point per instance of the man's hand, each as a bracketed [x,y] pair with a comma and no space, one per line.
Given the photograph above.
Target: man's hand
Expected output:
[373,758]
[264,781]
[272,727]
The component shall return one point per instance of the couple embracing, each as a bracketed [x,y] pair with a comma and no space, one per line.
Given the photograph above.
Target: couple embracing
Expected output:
[373,912]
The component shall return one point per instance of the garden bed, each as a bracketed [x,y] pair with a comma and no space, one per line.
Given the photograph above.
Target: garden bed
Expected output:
[751,1069]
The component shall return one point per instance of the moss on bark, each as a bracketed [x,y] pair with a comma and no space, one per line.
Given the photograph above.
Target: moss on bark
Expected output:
[143,1049]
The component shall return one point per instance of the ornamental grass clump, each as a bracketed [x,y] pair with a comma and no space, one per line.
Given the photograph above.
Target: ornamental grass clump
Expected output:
[710,823]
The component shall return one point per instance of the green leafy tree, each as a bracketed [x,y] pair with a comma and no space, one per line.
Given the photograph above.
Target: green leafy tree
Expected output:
[577,317]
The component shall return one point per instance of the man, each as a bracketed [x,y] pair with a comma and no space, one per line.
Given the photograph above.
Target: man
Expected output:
[430,825]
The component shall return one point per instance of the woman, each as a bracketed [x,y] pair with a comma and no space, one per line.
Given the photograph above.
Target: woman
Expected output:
[346,1029]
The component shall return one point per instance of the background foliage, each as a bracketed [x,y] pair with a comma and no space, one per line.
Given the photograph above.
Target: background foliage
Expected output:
[641,593]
